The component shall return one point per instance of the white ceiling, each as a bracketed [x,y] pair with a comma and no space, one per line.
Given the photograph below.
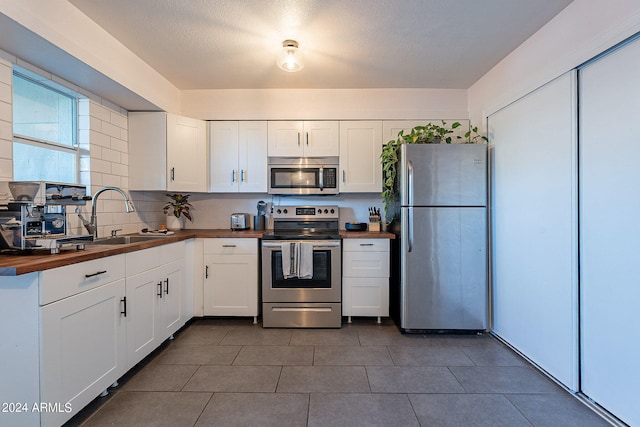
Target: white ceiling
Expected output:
[233,44]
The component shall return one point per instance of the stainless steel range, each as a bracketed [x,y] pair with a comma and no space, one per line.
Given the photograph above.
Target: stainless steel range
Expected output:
[302,268]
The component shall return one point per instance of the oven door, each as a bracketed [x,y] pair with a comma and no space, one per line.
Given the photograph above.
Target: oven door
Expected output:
[324,286]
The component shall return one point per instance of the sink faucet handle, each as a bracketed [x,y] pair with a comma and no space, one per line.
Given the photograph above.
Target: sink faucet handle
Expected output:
[114,233]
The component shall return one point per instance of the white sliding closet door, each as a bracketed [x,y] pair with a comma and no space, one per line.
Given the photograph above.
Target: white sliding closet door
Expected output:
[610,231]
[534,228]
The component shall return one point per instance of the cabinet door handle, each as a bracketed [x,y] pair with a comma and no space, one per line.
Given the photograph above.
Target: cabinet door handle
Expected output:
[124,301]
[166,282]
[97,273]
[159,290]
[233,175]
[298,139]
[206,271]
[173,174]
[228,246]
[344,176]
[241,175]
[307,139]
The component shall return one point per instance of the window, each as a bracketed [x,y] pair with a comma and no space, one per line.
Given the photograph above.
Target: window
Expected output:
[44,130]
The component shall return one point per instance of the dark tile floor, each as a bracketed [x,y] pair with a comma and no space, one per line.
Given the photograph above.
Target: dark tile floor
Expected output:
[228,372]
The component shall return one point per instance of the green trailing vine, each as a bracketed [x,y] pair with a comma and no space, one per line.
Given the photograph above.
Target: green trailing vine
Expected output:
[429,133]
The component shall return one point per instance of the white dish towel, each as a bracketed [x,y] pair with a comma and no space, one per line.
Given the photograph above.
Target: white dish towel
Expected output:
[305,260]
[297,260]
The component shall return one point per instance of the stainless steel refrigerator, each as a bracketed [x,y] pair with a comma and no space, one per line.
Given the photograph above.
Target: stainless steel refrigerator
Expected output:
[442,238]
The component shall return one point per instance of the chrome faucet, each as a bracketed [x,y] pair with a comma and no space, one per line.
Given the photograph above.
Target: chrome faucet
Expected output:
[92,226]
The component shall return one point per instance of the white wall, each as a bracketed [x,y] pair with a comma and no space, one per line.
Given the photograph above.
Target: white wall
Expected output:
[581,31]
[325,104]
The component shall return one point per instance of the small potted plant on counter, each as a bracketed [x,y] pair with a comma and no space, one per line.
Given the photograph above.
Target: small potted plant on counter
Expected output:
[177,210]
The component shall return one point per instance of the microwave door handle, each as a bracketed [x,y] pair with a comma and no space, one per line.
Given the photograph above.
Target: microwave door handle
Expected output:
[321,178]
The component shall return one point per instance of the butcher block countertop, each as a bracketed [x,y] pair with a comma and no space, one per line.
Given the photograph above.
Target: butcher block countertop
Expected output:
[366,234]
[13,265]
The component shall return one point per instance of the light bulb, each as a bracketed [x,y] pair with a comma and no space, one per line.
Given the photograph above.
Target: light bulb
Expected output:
[290,59]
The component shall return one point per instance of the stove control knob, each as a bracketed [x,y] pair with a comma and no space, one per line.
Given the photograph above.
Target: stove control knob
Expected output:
[285,211]
[333,211]
[279,211]
[319,210]
[326,211]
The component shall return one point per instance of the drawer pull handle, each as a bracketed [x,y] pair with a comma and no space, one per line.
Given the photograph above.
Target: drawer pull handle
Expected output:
[160,289]
[228,246]
[366,244]
[97,273]
[124,301]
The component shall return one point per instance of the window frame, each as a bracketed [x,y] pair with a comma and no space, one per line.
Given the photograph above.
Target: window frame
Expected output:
[74,148]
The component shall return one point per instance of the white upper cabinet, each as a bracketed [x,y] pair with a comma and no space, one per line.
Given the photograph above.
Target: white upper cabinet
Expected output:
[238,156]
[303,138]
[360,149]
[186,154]
[167,152]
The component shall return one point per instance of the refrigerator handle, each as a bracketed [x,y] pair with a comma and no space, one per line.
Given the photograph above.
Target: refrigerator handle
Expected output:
[409,183]
[410,228]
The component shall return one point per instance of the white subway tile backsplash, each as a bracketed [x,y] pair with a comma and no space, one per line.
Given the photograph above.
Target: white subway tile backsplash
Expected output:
[119,120]
[5,92]
[6,149]
[96,181]
[111,130]
[120,170]
[119,144]
[99,112]
[124,158]
[5,111]
[6,131]
[83,107]
[110,155]
[101,166]
[6,169]
[110,180]
[99,138]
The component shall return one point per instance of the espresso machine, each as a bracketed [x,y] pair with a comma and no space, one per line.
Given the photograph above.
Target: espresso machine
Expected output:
[33,215]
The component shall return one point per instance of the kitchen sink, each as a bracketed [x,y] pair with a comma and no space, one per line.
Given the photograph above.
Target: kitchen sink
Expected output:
[124,240]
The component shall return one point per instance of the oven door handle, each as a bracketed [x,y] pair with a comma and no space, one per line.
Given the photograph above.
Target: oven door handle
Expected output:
[335,244]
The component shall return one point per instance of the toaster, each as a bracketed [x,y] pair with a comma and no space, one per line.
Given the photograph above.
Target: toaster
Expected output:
[240,221]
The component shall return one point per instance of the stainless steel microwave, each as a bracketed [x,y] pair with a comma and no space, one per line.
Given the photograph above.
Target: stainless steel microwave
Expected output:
[304,175]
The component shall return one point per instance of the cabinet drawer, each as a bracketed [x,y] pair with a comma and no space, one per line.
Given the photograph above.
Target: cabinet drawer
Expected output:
[365,245]
[172,252]
[229,246]
[62,282]
[143,260]
[365,264]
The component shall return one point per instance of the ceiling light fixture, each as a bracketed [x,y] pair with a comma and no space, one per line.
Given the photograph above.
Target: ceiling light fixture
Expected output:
[290,59]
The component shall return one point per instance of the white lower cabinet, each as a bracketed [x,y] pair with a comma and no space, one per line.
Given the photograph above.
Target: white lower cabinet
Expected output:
[154,298]
[231,277]
[82,336]
[365,278]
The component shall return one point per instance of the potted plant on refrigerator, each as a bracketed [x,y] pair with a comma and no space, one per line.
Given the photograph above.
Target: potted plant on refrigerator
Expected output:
[177,209]
[429,133]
